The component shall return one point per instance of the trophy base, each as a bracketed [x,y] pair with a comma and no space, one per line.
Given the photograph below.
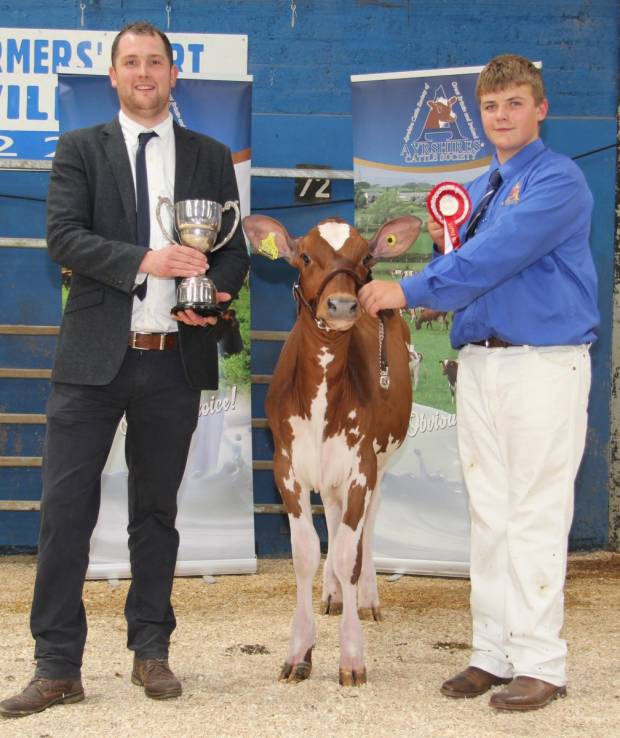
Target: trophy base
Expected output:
[199,308]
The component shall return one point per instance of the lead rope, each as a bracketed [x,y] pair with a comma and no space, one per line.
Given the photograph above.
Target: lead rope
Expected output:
[384,370]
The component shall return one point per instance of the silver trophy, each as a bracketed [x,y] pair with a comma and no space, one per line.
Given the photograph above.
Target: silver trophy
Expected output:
[197,223]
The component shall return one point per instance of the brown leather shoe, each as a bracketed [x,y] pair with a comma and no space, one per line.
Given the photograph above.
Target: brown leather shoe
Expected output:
[526,693]
[471,683]
[41,694]
[156,677]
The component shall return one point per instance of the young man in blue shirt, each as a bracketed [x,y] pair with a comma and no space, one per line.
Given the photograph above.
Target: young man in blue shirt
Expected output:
[523,289]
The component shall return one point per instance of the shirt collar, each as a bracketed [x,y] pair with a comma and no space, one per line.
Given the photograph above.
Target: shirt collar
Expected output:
[131,129]
[517,162]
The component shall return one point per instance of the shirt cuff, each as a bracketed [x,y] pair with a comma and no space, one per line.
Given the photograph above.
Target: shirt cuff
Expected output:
[416,290]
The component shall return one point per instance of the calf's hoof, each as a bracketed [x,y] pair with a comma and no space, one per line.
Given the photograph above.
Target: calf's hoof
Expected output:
[370,613]
[330,607]
[297,672]
[352,678]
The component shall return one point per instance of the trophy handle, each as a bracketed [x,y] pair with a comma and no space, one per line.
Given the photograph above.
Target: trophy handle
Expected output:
[235,206]
[160,203]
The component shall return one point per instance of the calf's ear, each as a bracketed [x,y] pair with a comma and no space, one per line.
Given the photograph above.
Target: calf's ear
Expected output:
[269,237]
[395,236]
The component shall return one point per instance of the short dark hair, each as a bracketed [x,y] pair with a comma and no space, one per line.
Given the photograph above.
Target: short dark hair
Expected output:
[142,28]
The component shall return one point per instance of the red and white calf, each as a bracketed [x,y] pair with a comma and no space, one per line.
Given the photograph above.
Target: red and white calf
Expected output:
[338,406]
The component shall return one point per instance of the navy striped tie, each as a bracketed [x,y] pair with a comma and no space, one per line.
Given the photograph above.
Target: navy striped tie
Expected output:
[495,181]
[143,213]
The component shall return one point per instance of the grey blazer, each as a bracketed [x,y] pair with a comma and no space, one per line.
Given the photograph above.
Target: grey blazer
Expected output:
[91,228]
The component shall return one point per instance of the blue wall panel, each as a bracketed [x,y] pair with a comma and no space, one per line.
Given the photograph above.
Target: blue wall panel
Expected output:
[23,395]
[262,443]
[20,440]
[30,285]
[20,483]
[259,391]
[302,114]
[22,203]
[27,352]
[19,531]
[264,356]
[576,137]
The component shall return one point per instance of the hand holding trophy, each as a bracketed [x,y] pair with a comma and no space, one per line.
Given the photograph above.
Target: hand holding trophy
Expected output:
[197,223]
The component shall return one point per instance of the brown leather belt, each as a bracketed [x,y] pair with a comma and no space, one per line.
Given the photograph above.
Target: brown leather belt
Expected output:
[493,342]
[153,341]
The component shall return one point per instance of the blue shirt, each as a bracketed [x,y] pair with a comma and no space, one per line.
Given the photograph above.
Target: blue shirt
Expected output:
[527,275]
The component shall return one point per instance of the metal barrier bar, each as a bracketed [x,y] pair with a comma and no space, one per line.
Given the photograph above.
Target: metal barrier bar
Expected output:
[25,418]
[23,243]
[301,173]
[32,165]
[20,461]
[29,330]
[25,373]
[35,505]
[44,165]
[19,505]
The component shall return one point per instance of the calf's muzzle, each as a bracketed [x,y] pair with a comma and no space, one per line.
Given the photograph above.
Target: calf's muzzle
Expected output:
[342,308]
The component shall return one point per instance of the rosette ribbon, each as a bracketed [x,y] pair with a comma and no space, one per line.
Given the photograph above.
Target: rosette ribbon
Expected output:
[449,203]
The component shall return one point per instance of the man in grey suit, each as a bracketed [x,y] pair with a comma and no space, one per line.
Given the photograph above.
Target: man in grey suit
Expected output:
[121,351]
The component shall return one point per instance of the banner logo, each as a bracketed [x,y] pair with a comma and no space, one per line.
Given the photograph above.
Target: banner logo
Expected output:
[441,129]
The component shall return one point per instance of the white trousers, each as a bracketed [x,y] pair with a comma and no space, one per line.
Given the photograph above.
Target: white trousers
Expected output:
[522,418]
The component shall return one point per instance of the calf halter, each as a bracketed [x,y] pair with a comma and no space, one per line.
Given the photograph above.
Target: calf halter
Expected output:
[311,305]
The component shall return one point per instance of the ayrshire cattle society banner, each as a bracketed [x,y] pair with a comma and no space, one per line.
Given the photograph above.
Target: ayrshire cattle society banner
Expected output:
[216,509]
[412,130]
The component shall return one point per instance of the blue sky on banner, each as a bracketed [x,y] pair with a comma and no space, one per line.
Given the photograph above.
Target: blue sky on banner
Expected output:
[216,108]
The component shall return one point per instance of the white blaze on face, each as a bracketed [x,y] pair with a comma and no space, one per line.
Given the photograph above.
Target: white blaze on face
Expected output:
[335,234]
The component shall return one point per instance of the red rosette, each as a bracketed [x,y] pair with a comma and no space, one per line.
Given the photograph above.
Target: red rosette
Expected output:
[449,203]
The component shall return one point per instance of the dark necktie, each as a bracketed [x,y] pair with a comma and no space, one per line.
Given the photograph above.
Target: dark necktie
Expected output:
[143,215]
[495,181]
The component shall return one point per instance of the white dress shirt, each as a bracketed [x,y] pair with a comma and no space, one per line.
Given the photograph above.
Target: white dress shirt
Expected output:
[152,315]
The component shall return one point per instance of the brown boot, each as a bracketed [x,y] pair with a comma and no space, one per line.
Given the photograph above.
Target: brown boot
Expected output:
[156,677]
[471,683]
[41,694]
[526,693]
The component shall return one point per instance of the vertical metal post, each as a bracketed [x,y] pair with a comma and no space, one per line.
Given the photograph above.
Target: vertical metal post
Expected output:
[614,461]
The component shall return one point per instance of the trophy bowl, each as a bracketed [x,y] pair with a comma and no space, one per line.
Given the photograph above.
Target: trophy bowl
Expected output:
[197,224]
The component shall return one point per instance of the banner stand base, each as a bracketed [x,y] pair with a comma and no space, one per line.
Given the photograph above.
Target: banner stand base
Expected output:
[183,568]
[422,567]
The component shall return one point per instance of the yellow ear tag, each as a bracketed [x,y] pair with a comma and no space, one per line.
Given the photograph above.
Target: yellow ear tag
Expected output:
[268,247]
[391,239]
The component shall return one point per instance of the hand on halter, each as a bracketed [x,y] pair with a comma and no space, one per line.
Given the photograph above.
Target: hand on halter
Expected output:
[380,295]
